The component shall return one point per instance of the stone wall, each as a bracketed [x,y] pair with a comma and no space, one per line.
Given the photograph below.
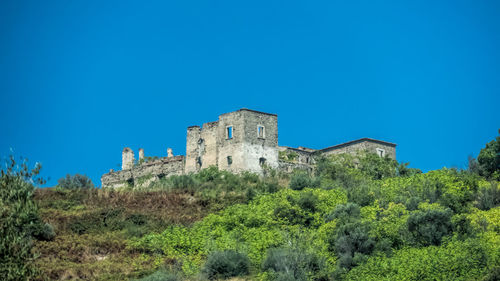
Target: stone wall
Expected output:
[374,146]
[150,170]
[302,156]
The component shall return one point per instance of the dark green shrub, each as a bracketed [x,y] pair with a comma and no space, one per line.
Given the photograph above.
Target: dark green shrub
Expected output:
[301,180]
[76,181]
[488,198]
[430,226]
[345,213]
[352,244]
[19,220]
[489,160]
[161,275]
[44,232]
[308,201]
[225,264]
[293,264]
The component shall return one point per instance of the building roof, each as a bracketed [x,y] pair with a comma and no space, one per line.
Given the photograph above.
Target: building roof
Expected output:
[357,141]
[251,110]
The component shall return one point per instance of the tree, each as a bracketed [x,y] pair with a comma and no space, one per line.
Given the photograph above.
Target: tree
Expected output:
[76,181]
[19,220]
[489,160]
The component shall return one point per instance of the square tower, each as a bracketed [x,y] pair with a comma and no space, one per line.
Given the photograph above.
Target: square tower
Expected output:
[247,140]
[242,140]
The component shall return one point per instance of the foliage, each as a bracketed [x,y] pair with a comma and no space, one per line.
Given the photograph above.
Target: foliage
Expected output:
[76,181]
[458,260]
[489,160]
[301,180]
[19,221]
[161,275]
[488,197]
[225,264]
[428,227]
[292,264]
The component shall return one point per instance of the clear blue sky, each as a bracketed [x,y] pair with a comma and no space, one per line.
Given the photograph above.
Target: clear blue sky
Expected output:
[81,80]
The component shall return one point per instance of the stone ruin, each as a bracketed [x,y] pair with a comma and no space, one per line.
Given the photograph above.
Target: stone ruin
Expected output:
[242,140]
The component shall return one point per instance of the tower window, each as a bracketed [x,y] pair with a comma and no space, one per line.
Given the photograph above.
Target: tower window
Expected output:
[380,152]
[261,133]
[229,132]
[229,160]
[262,161]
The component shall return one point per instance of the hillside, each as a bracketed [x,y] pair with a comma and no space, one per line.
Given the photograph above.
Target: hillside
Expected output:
[355,218]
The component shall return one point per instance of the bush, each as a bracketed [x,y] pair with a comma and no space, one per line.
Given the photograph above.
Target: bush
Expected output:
[161,275]
[19,220]
[489,160]
[488,198]
[302,180]
[292,264]
[352,244]
[225,264]
[76,181]
[428,227]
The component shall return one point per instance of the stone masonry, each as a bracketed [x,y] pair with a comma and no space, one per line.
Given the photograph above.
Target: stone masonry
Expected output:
[242,140]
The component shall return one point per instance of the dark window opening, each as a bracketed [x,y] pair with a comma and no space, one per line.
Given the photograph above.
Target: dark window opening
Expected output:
[261,132]
[229,132]
[198,162]
[262,161]
[229,160]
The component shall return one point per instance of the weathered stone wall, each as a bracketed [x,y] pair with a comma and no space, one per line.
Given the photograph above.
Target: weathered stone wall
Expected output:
[155,169]
[127,158]
[247,151]
[303,156]
[354,147]
[290,167]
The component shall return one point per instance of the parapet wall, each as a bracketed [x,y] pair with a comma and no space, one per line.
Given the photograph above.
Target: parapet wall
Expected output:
[149,171]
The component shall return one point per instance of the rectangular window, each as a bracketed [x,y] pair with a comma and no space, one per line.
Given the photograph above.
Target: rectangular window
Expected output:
[261,132]
[229,132]
[229,160]
[380,152]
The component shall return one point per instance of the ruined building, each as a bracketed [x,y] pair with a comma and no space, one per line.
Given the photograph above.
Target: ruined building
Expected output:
[243,140]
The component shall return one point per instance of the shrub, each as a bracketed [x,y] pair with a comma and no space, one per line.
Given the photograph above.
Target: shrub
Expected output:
[301,180]
[352,244]
[161,275]
[489,160]
[488,198]
[293,264]
[225,264]
[345,213]
[76,181]
[19,220]
[428,227]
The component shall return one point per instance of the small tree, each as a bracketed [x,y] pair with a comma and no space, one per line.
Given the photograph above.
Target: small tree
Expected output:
[489,160]
[19,220]
[76,181]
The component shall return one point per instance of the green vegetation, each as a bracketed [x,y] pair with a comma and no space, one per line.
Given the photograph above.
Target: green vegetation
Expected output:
[356,218]
[19,221]
[76,181]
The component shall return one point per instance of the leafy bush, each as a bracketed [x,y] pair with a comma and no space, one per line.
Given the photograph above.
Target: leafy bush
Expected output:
[301,180]
[19,220]
[225,264]
[161,275]
[352,243]
[428,227]
[76,181]
[489,160]
[288,264]
[488,197]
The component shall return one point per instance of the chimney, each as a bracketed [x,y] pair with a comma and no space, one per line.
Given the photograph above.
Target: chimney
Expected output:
[141,155]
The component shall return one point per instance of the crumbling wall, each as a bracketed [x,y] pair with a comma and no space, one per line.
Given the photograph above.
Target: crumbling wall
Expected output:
[364,145]
[296,155]
[127,158]
[155,169]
